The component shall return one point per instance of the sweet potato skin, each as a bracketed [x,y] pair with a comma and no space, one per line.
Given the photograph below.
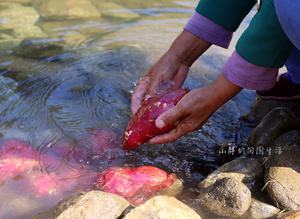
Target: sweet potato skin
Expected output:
[134,184]
[141,127]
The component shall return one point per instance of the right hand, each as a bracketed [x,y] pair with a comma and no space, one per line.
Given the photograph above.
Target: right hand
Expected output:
[169,73]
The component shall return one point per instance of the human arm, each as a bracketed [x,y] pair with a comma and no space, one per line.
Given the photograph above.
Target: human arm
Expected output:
[193,110]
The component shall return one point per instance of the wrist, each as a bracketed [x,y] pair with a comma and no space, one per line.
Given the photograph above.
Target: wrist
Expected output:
[187,48]
[222,90]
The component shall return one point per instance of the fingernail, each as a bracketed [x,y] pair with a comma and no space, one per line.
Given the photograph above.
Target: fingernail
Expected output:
[160,124]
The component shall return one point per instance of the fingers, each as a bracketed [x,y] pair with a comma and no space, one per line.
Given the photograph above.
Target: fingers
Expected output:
[173,135]
[139,94]
[171,117]
[180,77]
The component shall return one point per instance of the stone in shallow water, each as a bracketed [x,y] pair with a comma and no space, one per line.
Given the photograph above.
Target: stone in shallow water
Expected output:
[289,215]
[261,210]
[111,9]
[283,179]
[25,2]
[39,48]
[246,170]
[163,207]
[226,197]
[67,9]
[8,41]
[137,184]
[90,205]
[275,123]
[19,20]
[14,15]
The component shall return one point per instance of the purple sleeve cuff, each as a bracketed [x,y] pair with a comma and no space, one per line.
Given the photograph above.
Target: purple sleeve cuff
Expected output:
[247,75]
[208,30]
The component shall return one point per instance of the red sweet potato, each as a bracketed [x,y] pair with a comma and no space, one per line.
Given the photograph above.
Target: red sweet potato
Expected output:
[134,184]
[141,127]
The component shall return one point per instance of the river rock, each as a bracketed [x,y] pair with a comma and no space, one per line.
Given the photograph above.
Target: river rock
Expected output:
[283,179]
[8,42]
[111,9]
[226,197]
[13,14]
[39,48]
[263,106]
[261,210]
[289,215]
[67,9]
[19,21]
[173,190]
[246,170]
[275,123]
[91,205]
[163,207]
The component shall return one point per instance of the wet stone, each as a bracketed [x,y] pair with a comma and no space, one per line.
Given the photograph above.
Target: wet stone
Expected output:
[111,9]
[14,15]
[282,179]
[89,205]
[226,197]
[163,207]
[67,9]
[19,21]
[39,48]
[275,123]
[289,215]
[246,170]
[261,210]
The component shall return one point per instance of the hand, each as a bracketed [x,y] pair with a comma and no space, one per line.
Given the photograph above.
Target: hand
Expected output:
[194,109]
[170,72]
[167,74]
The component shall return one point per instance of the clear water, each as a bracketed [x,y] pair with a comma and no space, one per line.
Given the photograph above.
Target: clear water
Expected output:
[56,89]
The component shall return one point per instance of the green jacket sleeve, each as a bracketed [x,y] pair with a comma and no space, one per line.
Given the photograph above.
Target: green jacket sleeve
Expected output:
[264,42]
[226,13]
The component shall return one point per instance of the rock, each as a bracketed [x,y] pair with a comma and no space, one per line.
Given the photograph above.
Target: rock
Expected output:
[67,9]
[15,15]
[8,42]
[173,190]
[283,179]
[25,2]
[19,20]
[289,215]
[29,31]
[111,9]
[261,210]
[226,197]
[263,106]
[288,139]
[91,205]
[163,207]
[39,48]
[275,123]
[246,170]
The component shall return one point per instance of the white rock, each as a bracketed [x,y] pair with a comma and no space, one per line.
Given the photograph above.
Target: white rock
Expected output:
[163,207]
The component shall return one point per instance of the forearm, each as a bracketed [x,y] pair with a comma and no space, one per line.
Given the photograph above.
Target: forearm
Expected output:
[187,47]
[222,90]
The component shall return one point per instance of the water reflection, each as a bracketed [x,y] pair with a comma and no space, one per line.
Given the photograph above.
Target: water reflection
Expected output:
[64,77]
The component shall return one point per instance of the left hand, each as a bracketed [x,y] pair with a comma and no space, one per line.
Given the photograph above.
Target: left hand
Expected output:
[194,109]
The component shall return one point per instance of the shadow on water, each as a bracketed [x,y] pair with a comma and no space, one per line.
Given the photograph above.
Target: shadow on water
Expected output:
[55,91]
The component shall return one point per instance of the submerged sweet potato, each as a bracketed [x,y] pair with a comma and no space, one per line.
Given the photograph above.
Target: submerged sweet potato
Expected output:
[134,184]
[141,127]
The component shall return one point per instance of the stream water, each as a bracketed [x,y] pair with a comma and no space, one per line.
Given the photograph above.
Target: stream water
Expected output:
[63,77]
